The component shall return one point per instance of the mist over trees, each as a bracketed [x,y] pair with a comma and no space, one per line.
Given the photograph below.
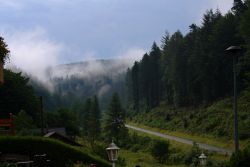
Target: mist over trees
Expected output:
[68,85]
[193,69]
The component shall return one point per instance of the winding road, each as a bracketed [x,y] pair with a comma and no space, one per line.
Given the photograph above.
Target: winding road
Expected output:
[182,140]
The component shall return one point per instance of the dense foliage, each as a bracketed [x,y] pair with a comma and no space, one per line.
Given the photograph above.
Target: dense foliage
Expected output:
[78,81]
[4,51]
[114,122]
[23,123]
[240,159]
[63,118]
[161,151]
[16,95]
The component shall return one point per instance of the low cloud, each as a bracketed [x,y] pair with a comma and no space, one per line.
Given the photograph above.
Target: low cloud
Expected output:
[11,4]
[36,54]
[93,67]
[32,51]
[103,90]
[132,55]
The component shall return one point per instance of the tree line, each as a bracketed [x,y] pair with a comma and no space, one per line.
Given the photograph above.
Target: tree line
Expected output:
[193,69]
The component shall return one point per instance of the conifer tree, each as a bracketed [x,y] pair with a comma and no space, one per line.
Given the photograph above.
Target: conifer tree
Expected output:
[155,56]
[193,69]
[94,127]
[85,115]
[245,32]
[145,80]
[114,123]
[135,86]
[238,7]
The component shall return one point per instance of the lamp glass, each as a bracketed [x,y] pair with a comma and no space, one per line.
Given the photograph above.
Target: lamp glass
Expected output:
[112,152]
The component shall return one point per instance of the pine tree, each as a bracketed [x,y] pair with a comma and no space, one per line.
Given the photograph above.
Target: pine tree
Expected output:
[93,122]
[145,81]
[245,33]
[85,115]
[176,68]
[135,86]
[166,84]
[155,56]
[238,7]
[114,123]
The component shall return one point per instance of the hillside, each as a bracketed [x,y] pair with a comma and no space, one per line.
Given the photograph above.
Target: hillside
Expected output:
[69,84]
[215,120]
[187,84]
[29,146]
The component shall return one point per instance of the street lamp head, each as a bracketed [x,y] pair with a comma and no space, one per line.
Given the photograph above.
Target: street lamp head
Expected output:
[202,156]
[112,151]
[233,49]
[203,159]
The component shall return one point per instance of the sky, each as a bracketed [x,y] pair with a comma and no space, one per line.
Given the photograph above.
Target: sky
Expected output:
[50,32]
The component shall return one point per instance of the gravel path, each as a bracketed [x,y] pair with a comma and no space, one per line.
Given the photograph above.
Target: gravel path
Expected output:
[182,140]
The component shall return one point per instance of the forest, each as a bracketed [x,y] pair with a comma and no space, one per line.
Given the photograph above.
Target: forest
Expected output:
[184,84]
[193,69]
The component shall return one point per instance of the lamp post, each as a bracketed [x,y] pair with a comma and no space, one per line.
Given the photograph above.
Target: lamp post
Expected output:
[203,159]
[233,51]
[112,151]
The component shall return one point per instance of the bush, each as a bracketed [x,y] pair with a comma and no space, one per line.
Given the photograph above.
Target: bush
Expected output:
[176,158]
[7,165]
[59,153]
[192,157]
[23,124]
[100,149]
[137,142]
[240,159]
[160,151]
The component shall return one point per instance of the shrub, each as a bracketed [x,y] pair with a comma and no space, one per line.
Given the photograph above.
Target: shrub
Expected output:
[160,151]
[240,159]
[176,158]
[7,165]
[121,162]
[192,157]
[137,142]
[59,153]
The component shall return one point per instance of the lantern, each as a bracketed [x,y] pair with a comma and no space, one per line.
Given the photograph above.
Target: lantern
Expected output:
[112,152]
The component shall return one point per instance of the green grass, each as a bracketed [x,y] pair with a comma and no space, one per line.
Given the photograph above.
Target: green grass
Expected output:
[143,159]
[184,148]
[146,160]
[59,153]
[207,139]
[211,124]
[180,146]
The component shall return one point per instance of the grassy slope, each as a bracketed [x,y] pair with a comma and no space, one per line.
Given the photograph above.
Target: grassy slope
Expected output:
[59,153]
[146,160]
[142,159]
[212,125]
[208,139]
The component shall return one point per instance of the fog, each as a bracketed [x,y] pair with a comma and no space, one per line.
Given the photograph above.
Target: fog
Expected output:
[36,54]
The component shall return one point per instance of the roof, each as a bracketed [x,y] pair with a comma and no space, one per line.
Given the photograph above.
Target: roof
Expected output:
[58,136]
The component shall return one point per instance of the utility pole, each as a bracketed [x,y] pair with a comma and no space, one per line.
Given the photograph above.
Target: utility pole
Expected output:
[236,133]
[233,51]
[41,115]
